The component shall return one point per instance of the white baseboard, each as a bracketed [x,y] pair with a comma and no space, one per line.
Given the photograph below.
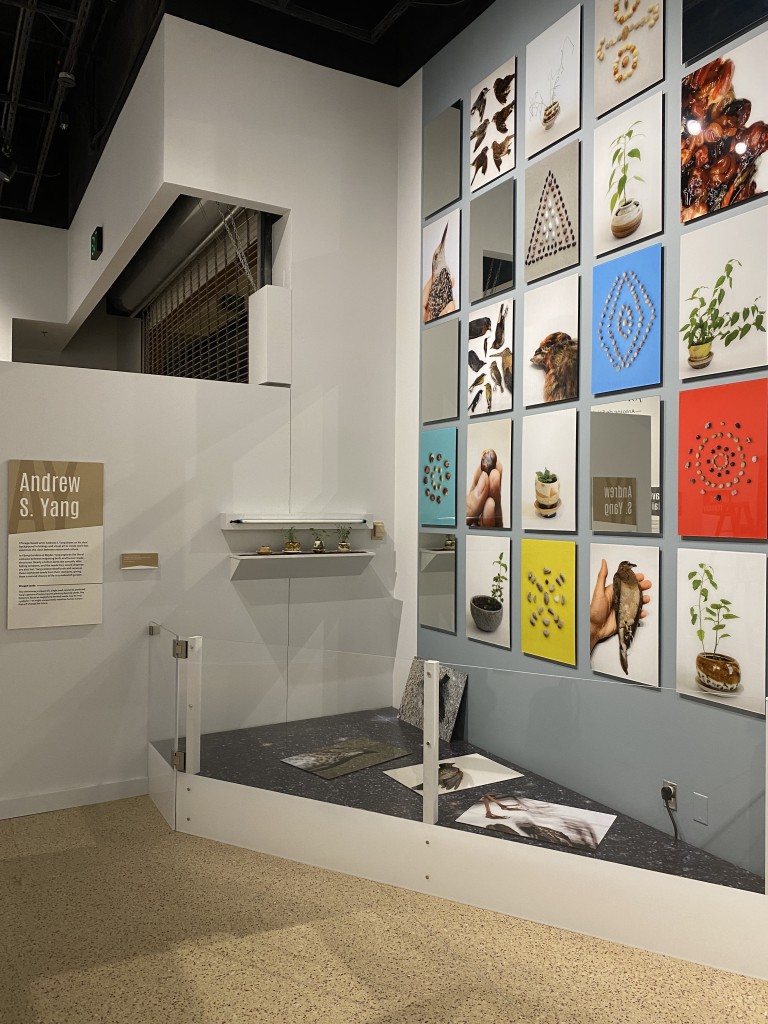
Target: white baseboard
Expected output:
[63,798]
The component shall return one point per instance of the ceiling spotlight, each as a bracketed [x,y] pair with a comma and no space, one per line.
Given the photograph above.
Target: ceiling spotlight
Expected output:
[7,166]
[67,80]
[63,120]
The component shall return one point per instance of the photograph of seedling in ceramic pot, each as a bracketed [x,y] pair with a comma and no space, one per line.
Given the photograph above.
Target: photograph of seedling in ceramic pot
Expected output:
[624,612]
[628,184]
[724,295]
[487,590]
[440,267]
[629,50]
[490,363]
[553,83]
[721,627]
[551,342]
[548,482]
[491,145]
[488,483]
[548,599]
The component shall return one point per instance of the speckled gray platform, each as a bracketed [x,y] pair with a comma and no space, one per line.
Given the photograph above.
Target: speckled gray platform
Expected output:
[252,757]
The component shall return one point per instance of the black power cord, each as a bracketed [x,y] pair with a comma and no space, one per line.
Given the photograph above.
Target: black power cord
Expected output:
[666,796]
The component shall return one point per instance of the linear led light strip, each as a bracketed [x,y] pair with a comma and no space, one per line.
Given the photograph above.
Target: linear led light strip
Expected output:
[261,522]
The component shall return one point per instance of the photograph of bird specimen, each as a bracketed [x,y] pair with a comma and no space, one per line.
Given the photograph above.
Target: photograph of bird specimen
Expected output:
[492,126]
[467,771]
[489,358]
[550,342]
[513,815]
[344,757]
[441,286]
[624,612]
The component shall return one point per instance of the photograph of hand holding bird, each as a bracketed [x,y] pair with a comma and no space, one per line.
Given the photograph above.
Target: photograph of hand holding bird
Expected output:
[492,126]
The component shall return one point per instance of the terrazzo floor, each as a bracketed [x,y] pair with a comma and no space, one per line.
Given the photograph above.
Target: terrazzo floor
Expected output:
[109,917]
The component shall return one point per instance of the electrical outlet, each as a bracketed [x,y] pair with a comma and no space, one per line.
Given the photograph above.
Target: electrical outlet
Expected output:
[673,787]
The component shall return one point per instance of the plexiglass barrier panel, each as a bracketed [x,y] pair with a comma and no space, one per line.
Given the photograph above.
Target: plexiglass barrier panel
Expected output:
[163,665]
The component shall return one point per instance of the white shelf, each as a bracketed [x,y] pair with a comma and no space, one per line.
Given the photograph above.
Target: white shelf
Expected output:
[301,565]
[325,521]
[437,559]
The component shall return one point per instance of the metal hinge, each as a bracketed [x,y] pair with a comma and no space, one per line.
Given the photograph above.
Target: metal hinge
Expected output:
[180,649]
[179,760]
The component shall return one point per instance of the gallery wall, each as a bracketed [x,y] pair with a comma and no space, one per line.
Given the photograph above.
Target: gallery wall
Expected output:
[613,740]
[24,247]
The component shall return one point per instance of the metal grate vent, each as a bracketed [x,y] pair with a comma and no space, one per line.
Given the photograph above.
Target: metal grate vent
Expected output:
[198,325]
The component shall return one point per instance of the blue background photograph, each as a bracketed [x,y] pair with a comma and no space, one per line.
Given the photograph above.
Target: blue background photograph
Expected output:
[437,477]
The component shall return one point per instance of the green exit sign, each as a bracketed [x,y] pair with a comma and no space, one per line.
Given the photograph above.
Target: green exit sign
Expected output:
[97,243]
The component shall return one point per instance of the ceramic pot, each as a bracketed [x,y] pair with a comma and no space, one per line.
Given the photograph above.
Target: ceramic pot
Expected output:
[550,114]
[719,673]
[486,612]
[343,546]
[547,494]
[291,547]
[700,356]
[626,219]
[318,547]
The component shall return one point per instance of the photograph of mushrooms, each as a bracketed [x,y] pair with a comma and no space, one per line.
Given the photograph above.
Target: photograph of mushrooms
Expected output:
[440,372]
[489,474]
[520,817]
[624,612]
[548,599]
[440,273]
[724,295]
[450,691]
[437,581]
[491,147]
[723,131]
[552,212]
[720,640]
[437,477]
[487,590]
[629,50]
[548,481]
[345,756]
[626,321]
[721,475]
[490,348]
[551,342]
[625,466]
[628,186]
[456,773]
[553,83]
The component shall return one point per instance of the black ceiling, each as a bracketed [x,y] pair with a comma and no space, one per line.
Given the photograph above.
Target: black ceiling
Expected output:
[56,131]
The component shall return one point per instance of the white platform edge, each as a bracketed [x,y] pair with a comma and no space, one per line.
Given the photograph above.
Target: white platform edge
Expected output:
[679,917]
[162,785]
[38,803]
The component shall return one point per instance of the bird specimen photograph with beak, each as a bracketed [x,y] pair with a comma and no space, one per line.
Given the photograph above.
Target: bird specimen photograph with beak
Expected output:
[441,285]
[516,816]
[551,342]
[492,126]
[490,344]
[624,612]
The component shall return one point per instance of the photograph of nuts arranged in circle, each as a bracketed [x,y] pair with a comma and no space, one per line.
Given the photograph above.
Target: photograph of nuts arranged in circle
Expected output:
[722,484]
[548,599]
[548,491]
[437,477]
[489,455]
[629,50]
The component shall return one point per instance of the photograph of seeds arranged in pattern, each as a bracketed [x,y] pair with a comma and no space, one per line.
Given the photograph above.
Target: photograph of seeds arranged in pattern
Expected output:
[437,477]
[548,482]
[553,83]
[440,280]
[548,599]
[552,213]
[551,342]
[492,126]
[629,50]
[490,347]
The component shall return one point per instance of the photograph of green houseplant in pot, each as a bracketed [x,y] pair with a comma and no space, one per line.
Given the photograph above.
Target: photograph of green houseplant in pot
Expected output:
[723,288]
[487,590]
[721,627]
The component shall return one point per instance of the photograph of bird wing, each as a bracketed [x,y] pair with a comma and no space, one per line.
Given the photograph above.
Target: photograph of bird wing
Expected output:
[441,289]
[502,86]
[479,134]
[501,149]
[498,337]
[478,107]
[480,163]
[500,117]
[627,605]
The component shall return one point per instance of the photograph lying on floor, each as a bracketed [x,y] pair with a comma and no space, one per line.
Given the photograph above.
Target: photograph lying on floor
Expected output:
[437,581]
[440,272]
[628,187]
[490,347]
[723,295]
[722,447]
[345,756]
[440,372]
[492,126]
[552,212]
[548,480]
[456,773]
[625,466]
[624,612]
[519,816]
[723,131]
[487,590]
[626,321]
[720,640]
[441,165]
[553,83]
[551,342]
[492,242]
[629,50]
[450,691]
[437,477]
[548,599]
[488,483]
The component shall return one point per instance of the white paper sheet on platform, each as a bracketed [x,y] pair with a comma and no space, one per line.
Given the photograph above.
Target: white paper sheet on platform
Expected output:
[478,771]
[535,819]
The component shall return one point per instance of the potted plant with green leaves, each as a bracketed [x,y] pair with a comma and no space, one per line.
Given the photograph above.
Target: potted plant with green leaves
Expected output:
[343,531]
[715,672]
[626,212]
[290,544]
[318,546]
[487,610]
[708,321]
[547,493]
[548,107]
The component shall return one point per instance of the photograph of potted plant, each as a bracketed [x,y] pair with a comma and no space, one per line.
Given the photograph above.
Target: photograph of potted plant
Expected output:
[486,610]
[487,590]
[626,212]
[553,83]
[343,531]
[547,501]
[547,488]
[546,105]
[290,544]
[709,321]
[719,672]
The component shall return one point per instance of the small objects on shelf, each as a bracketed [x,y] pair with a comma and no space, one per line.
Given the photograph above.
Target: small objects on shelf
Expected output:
[265,549]
[342,533]
[290,545]
[318,547]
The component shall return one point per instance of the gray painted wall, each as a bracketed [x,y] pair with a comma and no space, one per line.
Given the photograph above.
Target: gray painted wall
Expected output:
[614,741]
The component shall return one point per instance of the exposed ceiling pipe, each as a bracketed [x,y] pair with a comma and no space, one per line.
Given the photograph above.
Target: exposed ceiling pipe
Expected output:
[49,9]
[323,21]
[16,77]
[68,67]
